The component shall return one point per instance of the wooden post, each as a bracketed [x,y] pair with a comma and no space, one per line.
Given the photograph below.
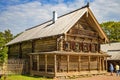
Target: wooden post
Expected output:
[38,62]
[55,65]
[67,63]
[106,63]
[33,46]
[103,64]
[89,63]
[31,64]
[99,64]
[61,45]
[45,63]
[20,51]
[79,65]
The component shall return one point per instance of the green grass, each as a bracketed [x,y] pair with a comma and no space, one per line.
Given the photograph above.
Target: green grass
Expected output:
[24,77]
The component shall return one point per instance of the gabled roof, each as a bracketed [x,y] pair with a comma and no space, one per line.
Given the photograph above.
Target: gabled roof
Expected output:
[61,26]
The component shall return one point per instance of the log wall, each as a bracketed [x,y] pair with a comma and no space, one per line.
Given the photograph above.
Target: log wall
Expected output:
[47,44]
[13,51]
[21,50]
[26,48]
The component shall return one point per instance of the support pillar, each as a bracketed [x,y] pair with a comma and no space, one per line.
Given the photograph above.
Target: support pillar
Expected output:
[89,63]
[67,63]
[55,65]
[31,64]
[106,63]
[99,64]
[45,63]
[103,64]
[38,62]
[20,51]
[33,46]
[79,65]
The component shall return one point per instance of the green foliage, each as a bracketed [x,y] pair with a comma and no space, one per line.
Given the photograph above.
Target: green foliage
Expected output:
[8,36]
[112,29]
[5,37]
[3,54]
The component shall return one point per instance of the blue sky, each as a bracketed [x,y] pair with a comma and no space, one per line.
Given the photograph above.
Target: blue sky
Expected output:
[18,15]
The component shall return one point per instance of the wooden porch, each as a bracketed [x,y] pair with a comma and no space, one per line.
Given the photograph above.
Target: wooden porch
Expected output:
[59,63]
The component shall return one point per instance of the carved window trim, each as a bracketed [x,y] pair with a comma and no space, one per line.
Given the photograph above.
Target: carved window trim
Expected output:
[66,46]
[81,46]
[72,44]
[85,47]
[77,47]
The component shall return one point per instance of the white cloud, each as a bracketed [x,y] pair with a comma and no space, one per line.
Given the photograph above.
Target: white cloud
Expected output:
[106,10]
[17,18]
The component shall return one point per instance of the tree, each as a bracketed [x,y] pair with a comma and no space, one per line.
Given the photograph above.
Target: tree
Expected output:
[8,35]
[5,37]
[3,49]
[112,29]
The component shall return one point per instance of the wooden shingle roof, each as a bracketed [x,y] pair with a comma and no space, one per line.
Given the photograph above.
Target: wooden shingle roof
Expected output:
[61,26]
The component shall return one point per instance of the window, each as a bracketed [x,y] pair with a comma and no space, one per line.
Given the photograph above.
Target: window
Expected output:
[85,47]
[81,46]
[93,47]
[72,46]
[77,47]
[66,46]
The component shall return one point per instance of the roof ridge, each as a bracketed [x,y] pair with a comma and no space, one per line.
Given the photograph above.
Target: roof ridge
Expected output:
[58,17]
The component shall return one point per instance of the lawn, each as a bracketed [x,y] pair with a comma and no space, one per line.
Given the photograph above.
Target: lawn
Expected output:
[24,77]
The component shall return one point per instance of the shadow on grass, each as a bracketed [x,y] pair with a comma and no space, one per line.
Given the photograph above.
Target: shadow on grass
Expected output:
[35,76]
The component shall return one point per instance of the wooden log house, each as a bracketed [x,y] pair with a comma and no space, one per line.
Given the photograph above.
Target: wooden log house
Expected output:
[65,46]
